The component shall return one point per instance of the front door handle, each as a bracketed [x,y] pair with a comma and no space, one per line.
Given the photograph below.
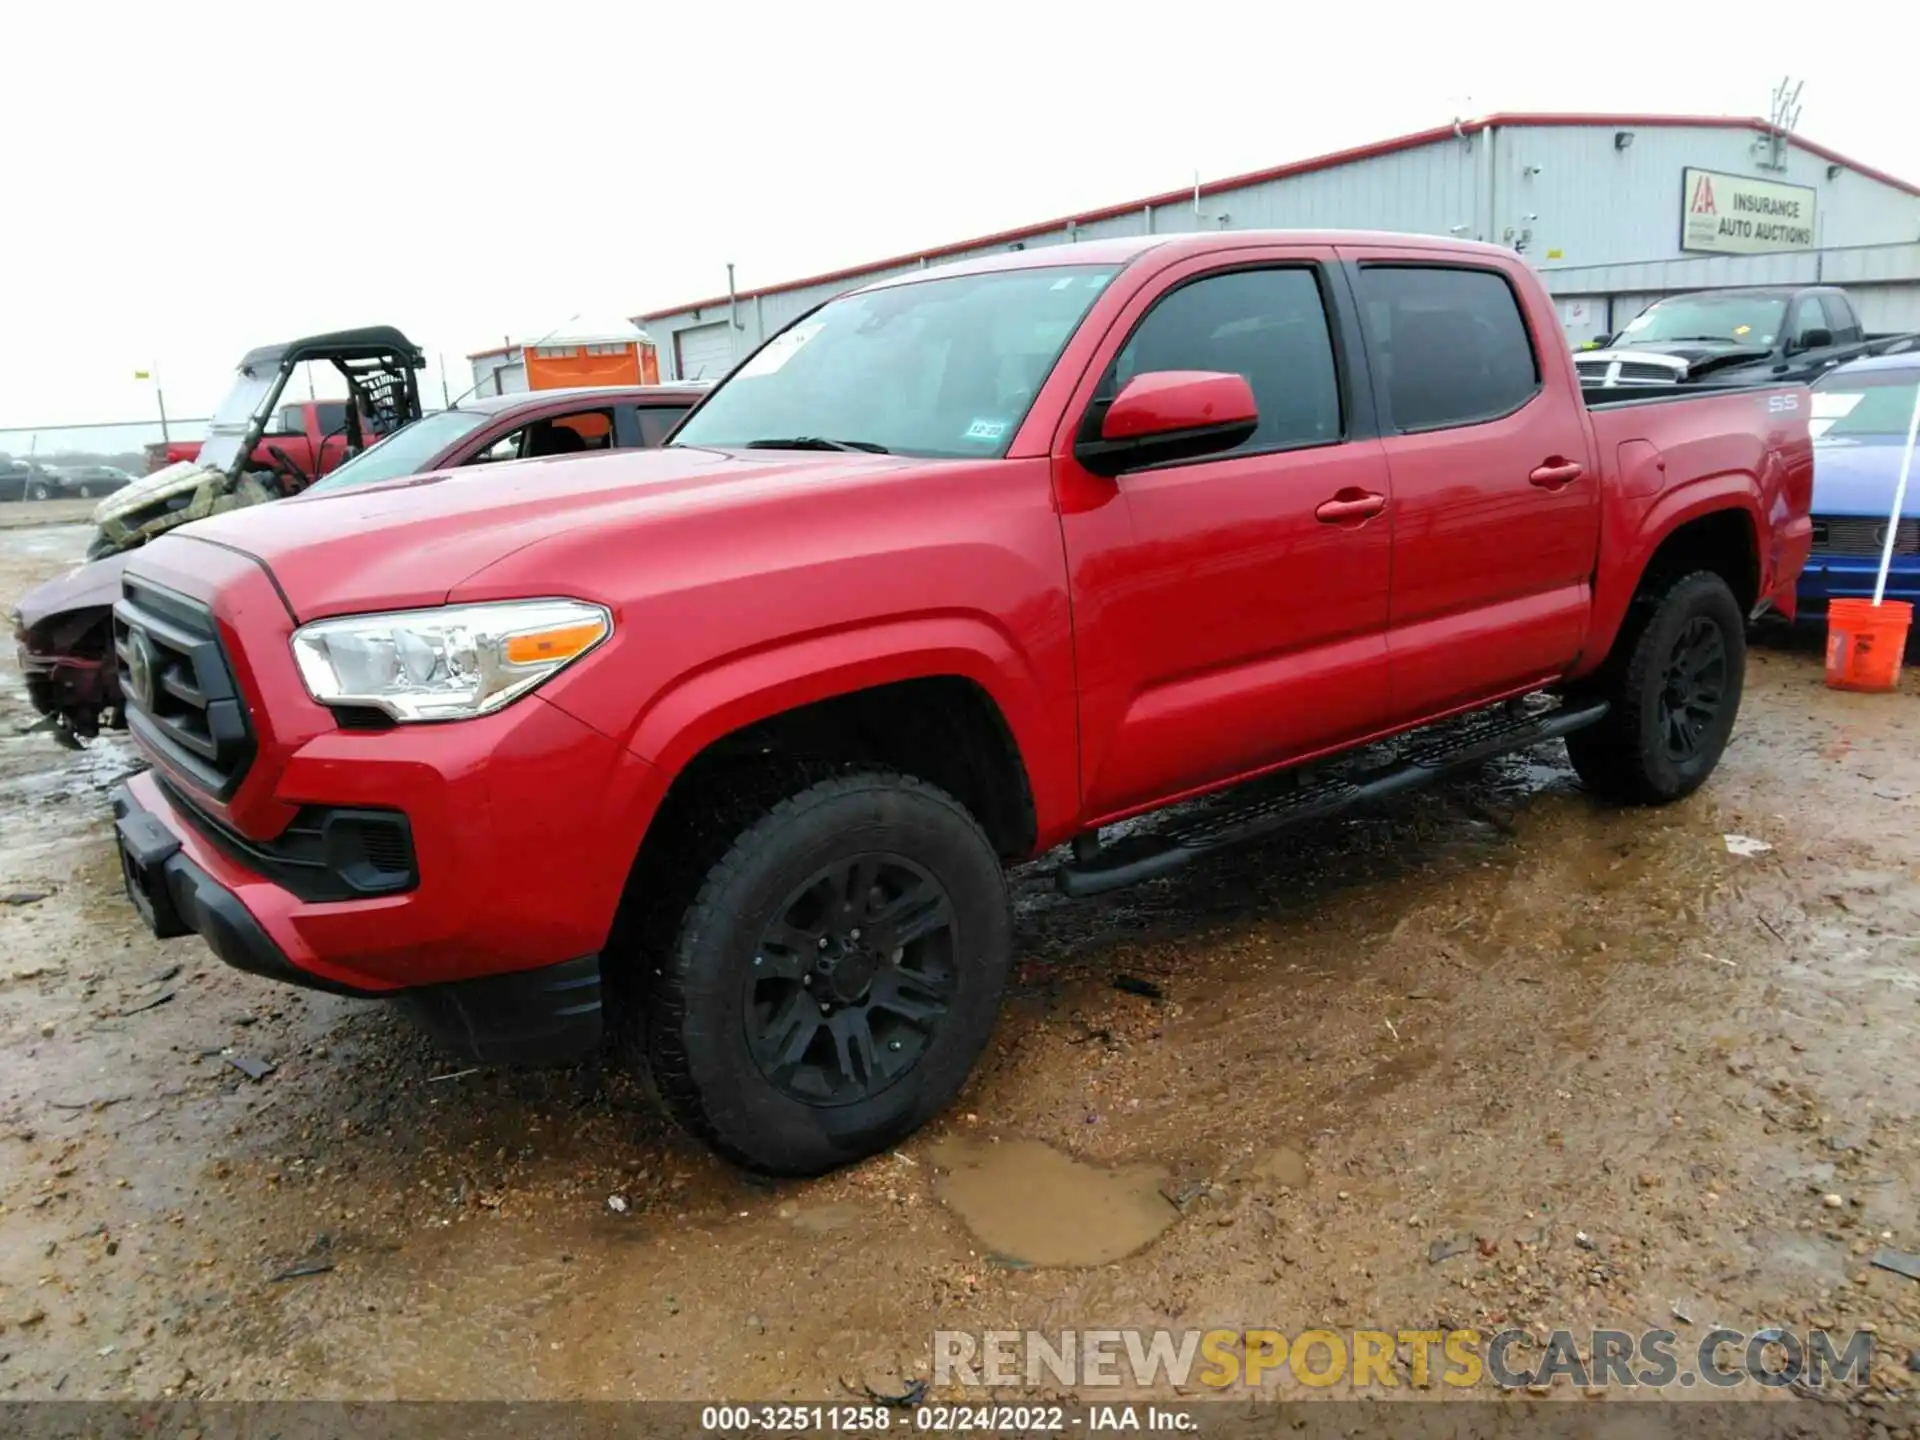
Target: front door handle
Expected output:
[1350,505]
[1556,473]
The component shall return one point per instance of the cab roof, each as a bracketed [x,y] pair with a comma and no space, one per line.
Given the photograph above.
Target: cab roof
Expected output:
[1122,251]
[516,399]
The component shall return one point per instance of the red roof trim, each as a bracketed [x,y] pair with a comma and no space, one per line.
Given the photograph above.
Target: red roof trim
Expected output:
[1297,167]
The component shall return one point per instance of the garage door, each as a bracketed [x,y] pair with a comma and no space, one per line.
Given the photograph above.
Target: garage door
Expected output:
[705,352]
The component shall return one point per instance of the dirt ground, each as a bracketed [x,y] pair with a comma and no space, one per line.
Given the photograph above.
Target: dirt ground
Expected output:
[23,514]
[1494,1056]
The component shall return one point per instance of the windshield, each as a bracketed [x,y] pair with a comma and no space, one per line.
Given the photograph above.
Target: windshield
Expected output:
[405,452]
[1875,406]
[935,368]
[250,395]
[1731,319]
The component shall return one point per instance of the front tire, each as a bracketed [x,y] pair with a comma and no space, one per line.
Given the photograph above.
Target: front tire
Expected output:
[835,978]
[41,492]
[1675,693]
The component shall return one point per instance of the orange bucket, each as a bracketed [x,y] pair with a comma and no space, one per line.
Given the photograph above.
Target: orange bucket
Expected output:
[1865,643]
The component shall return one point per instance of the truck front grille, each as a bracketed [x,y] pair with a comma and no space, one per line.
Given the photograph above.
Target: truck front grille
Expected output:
[1862,535]
[1626,372]
[177,688]
[1639,370]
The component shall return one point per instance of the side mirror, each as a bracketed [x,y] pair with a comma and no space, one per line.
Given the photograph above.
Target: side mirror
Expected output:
[1815,339]
[1168,415]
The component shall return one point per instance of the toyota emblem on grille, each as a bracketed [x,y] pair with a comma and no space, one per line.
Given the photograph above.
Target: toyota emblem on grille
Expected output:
[141,663]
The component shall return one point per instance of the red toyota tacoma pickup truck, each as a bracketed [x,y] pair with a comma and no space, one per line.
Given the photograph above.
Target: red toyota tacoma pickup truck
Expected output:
[308,437]
[719,751]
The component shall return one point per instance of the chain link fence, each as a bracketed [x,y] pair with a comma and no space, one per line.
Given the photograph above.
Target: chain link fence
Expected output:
[120,443]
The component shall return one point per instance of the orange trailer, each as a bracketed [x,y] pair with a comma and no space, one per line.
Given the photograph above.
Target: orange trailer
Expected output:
[559,363]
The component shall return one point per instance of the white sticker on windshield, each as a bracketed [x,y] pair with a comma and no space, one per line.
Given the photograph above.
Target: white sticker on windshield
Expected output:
[781,349]
[986,430]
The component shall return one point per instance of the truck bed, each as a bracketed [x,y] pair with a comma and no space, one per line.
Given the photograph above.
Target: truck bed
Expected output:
[1600,397]
[1722,417]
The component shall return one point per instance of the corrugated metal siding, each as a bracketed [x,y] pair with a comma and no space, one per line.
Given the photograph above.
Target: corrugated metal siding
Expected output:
[1884,281]
[1597,206]
[1888,309]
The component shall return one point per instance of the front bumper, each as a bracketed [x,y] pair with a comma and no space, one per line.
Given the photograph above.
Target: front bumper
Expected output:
[543,1015]
[68,684]
[1846,577]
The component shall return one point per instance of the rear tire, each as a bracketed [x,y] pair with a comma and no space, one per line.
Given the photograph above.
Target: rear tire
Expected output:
[41,492]
[1675,693]
[835,978]
[86,492]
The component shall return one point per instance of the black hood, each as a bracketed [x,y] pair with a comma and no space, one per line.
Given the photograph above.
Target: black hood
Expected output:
[1719,352]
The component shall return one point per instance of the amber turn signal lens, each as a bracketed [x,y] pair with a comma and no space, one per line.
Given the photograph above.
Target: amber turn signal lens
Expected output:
[548,645]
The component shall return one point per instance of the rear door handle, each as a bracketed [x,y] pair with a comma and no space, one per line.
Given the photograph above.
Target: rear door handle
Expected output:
[1352,507]
[1556,473]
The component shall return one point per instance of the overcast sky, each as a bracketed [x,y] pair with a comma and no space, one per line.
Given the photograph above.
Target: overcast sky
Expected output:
[183,181]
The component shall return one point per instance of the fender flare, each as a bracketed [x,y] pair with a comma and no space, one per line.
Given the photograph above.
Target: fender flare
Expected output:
[726,696]
[1616,588]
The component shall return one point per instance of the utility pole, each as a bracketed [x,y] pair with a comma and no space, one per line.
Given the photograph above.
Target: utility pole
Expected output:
[152,372]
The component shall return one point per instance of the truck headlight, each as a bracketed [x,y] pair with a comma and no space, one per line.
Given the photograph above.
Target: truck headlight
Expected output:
[449,663]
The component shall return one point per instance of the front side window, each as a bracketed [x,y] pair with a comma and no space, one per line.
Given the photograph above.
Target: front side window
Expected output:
[1807,318]
[1840,319]
[1450,345]
[942,368]
[1267,325]
[405,452]
[555,435]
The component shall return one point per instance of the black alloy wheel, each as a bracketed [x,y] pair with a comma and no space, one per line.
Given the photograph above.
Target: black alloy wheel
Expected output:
[1673,687]
[851,980]
[832,975]
[1696,684]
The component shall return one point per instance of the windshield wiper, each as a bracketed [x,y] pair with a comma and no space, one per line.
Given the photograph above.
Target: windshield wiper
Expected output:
[818,442]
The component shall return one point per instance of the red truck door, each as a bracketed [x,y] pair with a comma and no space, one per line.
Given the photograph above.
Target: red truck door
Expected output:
[1495,496]
[1220,624]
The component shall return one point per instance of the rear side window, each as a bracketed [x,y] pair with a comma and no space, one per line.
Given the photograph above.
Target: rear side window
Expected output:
[1449,345]
[332,415]
[1267,325]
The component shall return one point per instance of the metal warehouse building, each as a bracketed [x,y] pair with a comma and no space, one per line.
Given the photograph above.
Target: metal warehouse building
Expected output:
[1615,210]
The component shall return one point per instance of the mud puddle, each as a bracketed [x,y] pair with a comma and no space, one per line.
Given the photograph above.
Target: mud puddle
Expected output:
[1033,1207]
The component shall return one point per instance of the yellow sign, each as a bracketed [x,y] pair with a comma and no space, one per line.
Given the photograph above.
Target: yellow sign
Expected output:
[143,374]
[1739,215]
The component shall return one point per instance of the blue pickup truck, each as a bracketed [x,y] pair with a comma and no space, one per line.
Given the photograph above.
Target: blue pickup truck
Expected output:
[1861,412]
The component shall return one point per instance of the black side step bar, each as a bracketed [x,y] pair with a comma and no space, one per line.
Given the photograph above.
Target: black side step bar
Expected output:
[1419,757]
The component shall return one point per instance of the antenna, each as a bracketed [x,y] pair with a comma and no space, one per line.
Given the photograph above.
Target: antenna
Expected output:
[1783,119]
[1462,111]
[534,346]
